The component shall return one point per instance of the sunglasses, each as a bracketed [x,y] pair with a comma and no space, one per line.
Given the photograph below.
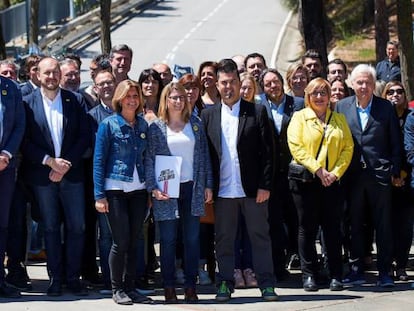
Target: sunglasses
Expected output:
[398,91]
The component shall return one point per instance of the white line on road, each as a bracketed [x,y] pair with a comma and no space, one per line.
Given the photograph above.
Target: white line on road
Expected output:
[276,49]
[171,55]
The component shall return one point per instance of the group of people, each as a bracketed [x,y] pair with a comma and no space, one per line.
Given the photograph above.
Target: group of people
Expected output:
[283,163]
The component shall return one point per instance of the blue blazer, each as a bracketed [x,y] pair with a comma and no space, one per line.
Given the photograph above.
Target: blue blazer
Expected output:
[157,145]
[13,118]
[38,140]
[379,143]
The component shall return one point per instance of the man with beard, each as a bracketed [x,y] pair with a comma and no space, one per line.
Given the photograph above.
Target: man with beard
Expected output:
[121,59]
[255,63]
[280,108]
[312,60]
[241,150]
[57,136]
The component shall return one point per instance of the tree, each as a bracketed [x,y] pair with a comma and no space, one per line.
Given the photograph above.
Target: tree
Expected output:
[34,22]
[106,26]
[312,23]
[381,29]
[406,49]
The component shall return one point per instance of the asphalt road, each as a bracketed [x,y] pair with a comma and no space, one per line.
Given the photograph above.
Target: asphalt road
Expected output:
[188,32]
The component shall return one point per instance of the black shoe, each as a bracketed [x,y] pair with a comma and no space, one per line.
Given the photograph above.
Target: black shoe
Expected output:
[19,280]
[76,288]
[309,284]
[9,292]
[95,279]
[142,287]
[336,285]
[138,298]
[54,289]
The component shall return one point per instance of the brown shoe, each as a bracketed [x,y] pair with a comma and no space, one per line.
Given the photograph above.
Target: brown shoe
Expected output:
[170,295]
[190,295]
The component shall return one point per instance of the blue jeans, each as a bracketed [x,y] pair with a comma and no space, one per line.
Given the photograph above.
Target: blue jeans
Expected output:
[62,202]
[7,183]
[105,244]
[191,241]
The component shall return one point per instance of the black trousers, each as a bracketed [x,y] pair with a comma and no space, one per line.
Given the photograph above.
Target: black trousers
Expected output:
[126,216]
[319,206]
[366,197]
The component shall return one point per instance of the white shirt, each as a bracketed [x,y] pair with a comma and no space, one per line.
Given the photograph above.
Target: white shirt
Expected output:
[182,144]
[54,116]
[112,184]
[230,176]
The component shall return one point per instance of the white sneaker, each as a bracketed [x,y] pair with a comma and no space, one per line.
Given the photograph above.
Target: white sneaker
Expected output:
[203,278]
[179,276]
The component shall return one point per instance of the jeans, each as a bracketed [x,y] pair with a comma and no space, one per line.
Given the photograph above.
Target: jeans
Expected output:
[7,184]
[56,200]
[168,241]
[105,244]
[126,216]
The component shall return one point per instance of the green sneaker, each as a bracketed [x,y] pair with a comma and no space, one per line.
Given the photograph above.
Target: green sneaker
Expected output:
[269,294]
[223,292]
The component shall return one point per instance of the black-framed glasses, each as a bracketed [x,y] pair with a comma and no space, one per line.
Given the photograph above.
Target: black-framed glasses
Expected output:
[392,92]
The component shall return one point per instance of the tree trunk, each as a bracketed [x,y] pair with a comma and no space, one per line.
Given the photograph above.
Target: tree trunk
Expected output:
[312,17]
[106,26]
[406,49]
[34,22]
[367,16]
[381,29]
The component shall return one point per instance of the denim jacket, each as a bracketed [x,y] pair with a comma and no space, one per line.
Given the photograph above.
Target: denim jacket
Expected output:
[118,148]
[202,174]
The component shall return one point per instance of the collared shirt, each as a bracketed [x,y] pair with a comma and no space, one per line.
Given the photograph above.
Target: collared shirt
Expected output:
[54,116]
[277,113]
[230,176]
[363,114]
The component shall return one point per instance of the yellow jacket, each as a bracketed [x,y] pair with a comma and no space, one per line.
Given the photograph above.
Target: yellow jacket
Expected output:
[304,135]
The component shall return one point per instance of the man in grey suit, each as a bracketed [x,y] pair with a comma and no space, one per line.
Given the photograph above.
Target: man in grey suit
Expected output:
[374,167]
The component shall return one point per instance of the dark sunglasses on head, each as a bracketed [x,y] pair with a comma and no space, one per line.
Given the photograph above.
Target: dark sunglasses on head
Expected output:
[398,91]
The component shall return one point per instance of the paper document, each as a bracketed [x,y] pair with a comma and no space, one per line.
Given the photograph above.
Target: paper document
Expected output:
[167,174]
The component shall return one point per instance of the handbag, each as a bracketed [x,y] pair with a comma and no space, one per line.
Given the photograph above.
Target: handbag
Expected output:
[297,171]
[208,218]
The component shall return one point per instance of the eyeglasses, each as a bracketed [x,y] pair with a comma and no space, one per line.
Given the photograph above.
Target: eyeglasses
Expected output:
[321,93]
[107,83]
[176,98]
[392,92]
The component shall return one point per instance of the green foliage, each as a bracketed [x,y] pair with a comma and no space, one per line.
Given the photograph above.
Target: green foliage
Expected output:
[291,4]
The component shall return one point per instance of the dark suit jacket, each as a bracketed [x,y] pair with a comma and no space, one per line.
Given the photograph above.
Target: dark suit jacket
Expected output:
[38,141]
[282,154]
[26,88]
[379,143]
[13,118]
[254,146]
